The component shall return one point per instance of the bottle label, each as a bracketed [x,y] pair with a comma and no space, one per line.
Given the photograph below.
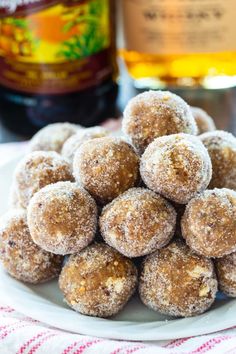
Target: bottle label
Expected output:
[179,26]
[54,47]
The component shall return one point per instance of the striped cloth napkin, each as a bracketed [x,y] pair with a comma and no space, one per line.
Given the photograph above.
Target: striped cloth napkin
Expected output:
[23,335]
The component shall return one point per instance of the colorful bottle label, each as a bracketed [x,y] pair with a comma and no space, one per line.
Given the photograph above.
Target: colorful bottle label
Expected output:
[54,47]
[179,26]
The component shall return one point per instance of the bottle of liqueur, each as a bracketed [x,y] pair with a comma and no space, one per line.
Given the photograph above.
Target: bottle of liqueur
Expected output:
[57,62]
[180,44]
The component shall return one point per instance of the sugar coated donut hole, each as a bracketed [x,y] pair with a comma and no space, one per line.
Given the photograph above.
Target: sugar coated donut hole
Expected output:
[62,218]
[226,274]
[98,281]
[76,140]
[38,169]
[209,223]
[138,222]
[106,167]
[20,256]
[221,147]
[177,166]
[53,136]
[204,122]
[177,282]
[156,113]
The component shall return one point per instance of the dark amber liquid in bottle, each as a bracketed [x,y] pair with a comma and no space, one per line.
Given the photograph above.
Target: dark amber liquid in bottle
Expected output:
[25,114]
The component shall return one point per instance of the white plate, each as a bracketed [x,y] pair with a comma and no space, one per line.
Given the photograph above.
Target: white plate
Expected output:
[135,322]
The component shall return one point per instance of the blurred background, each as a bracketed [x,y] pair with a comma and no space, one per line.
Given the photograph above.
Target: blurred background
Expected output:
[81,60]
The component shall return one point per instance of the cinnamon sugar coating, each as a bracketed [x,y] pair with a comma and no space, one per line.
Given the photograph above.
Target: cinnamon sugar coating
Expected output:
[75,141]
[204,122]
[221,147]
[177,282]
[20,256]
[106,167]
[53,136]
[138,222]
[152,114]
[98,281]
[38,169]
[226,274]
[176,166]
[209,223]
[62,218]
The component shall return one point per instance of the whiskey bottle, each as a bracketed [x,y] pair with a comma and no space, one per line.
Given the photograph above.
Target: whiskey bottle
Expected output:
[183,45]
